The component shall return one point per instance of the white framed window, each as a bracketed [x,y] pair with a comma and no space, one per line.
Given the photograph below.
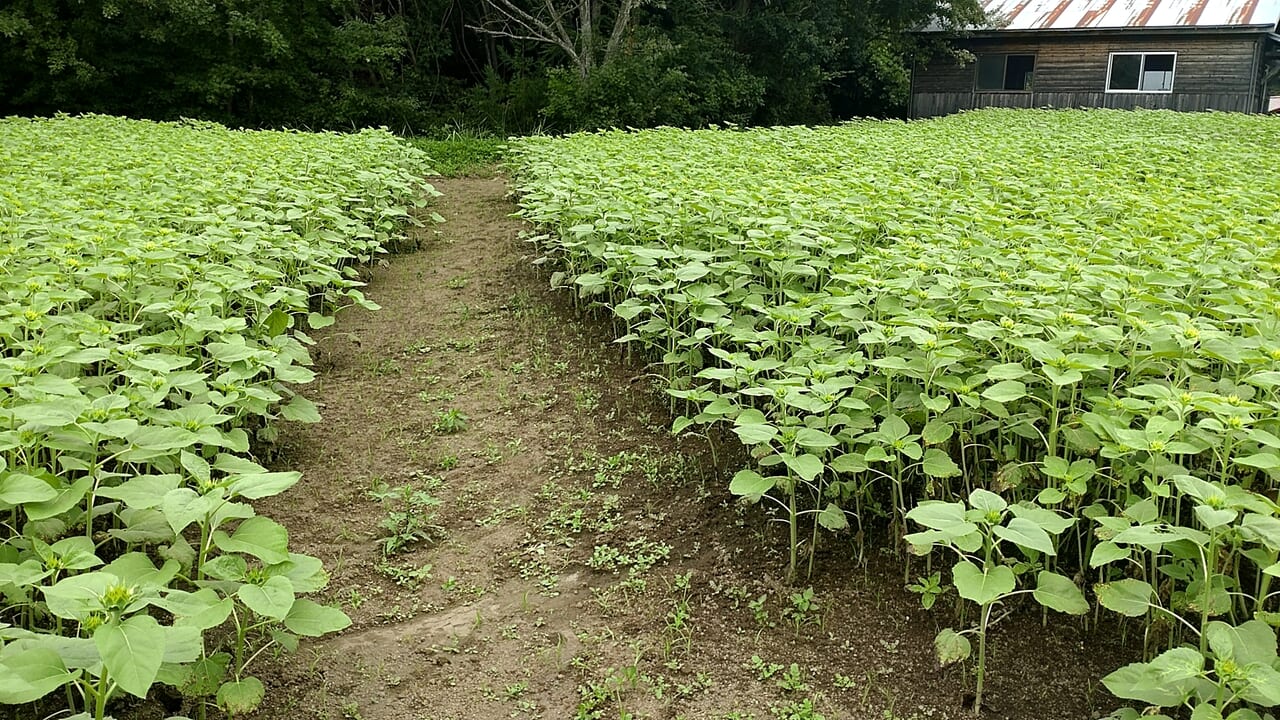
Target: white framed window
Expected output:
[1141,72]
[1005,73]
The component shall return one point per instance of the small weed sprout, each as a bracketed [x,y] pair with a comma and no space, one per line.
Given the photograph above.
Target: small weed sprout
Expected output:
[760,612]
[929,589]
[763,670]
[410,516]
[449,422]
[792,679]
[804,609]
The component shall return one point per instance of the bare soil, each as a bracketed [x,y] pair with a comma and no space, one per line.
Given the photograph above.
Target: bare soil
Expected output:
[563,556]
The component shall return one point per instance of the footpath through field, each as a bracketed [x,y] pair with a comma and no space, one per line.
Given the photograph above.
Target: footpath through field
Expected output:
[515,534]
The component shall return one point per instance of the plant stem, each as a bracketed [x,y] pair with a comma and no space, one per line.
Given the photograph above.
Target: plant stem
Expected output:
[793,521]
[982,658]
[100,697]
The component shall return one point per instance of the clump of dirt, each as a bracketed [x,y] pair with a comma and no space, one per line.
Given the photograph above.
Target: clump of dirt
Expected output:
[515,533]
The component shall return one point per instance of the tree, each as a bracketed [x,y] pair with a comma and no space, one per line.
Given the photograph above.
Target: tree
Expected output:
[825,59]
[574,26]
[499,65]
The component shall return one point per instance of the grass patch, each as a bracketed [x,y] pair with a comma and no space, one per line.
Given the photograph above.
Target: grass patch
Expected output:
[461,154]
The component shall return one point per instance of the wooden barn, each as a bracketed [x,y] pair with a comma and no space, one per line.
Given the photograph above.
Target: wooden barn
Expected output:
[1177,54]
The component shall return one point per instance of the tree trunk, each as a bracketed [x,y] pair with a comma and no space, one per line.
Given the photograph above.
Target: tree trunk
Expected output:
[620,26]
[586,37]
[581,40]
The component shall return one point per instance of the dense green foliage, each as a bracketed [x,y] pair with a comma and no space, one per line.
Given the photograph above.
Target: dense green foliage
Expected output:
[1048,342]
[419,64]
[322,63]
[461,154]
[155,280]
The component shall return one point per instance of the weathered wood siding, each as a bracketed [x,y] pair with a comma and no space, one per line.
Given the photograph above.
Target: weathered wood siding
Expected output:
[1212,73]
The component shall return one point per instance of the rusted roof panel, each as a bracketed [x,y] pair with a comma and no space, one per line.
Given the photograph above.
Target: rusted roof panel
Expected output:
[1084,14]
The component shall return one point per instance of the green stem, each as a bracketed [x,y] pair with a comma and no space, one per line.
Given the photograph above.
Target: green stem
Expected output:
[1209,560]
[982,658]
[71,698]
[241,636]
[1053,421]
[813,544]
[205,542]
[793,521]
[100,697]
[1264,585]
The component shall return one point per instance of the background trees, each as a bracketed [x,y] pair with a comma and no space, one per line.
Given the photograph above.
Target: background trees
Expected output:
[494,65]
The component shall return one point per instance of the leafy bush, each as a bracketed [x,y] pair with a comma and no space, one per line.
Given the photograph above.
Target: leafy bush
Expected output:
[656,82]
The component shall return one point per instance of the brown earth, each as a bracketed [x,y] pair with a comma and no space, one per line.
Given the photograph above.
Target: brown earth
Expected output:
[563,556]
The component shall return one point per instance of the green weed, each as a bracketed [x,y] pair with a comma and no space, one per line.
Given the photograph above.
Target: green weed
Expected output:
[449,422]
[461,154]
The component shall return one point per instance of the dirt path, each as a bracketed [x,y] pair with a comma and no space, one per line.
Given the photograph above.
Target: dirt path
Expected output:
[515,535]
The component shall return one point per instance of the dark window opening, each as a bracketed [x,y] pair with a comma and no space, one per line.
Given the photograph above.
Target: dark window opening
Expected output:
[1005,72]
[1126,72]
[1141,72]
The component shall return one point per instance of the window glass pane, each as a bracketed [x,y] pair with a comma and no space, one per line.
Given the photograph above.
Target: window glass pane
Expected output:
[991,72]
[1018,70]
[1157,81]
[1157,73]
[1125,70]
[1159,63]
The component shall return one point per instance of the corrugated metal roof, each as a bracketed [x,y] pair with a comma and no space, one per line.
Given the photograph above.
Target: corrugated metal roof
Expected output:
[1082,14]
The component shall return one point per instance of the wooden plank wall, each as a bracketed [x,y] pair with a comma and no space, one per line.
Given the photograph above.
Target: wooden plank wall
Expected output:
[1213,73]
